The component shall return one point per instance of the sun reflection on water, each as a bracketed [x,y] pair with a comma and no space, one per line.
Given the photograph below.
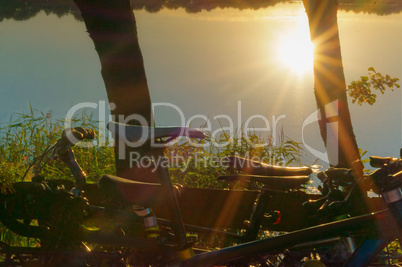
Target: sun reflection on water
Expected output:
[294,50]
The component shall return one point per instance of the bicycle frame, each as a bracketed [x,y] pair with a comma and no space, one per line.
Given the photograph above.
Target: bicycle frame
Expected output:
[367,251]
[285,241]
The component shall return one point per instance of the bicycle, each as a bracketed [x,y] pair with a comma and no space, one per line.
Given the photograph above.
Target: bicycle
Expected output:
[169,249]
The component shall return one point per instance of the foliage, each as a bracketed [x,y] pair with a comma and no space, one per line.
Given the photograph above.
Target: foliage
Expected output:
[24,139]
[26,9]
[360,91]
[363,153]
[394,250]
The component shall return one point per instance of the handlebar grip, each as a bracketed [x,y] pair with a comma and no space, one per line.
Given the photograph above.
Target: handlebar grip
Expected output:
[86,133]
[378,162]
[73,136]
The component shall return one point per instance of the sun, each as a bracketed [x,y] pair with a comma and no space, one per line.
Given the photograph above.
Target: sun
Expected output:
[295,51]
[296,55]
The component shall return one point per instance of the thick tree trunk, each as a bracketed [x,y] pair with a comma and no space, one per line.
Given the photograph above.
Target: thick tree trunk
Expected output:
[329,85]
[112,27]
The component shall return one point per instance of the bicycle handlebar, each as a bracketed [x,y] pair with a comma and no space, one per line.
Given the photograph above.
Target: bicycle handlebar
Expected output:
[71,137]
[382,162]
[388,179]
[390,183]
[378,162]
[77,134]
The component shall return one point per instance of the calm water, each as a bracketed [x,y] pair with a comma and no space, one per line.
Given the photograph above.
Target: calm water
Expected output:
[221,62]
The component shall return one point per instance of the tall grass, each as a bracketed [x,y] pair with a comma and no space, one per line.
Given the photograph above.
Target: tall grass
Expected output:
[25,138]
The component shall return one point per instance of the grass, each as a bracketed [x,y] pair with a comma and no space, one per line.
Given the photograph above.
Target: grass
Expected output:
[23,140]
[202,165]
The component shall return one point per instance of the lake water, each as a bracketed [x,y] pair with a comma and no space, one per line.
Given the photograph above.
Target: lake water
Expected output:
[239,63]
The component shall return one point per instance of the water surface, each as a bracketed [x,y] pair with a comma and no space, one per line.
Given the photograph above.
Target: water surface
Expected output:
[209,63]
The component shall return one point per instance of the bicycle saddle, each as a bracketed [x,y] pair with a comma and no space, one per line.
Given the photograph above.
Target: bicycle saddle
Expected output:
[274,182]
[135,132]
[259,168]
[129,191]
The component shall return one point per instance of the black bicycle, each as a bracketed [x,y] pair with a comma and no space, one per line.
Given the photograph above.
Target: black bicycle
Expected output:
[45,211]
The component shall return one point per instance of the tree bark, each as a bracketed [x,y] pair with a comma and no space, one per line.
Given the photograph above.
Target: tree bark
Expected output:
[112,27]
[330,86]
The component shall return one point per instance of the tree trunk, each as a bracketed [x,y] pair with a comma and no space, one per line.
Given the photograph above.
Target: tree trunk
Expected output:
[112,27]
[329,85]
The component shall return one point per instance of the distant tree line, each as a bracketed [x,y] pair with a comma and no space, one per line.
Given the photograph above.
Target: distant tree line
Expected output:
[26,9]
